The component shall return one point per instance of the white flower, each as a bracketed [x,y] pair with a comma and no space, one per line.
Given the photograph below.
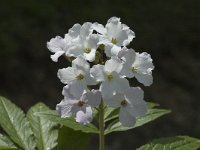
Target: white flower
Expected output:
[137,65]
[57,45]
[78,74]
[110,77]
[114,35]
[77,102]
[60,46]
[84,43]
[131,105]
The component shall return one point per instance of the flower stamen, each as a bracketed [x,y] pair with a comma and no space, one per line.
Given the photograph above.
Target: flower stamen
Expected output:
[109,76]
[87,50]
[124,103]
[81,103]
[114,41]
[80,77]
[133,69]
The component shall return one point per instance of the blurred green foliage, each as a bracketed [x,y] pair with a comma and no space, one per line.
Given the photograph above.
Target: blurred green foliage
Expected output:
[168,30]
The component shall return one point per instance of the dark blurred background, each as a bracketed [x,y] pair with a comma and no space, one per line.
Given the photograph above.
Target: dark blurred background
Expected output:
[168,30]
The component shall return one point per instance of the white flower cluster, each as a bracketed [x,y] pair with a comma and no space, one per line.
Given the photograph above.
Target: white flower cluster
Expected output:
[101,58]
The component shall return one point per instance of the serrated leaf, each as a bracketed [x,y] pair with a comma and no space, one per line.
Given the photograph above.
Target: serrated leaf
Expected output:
[68,139]
[173,143]
[150,116]
[16,125]
[6,143]
[45,131]
[68,122]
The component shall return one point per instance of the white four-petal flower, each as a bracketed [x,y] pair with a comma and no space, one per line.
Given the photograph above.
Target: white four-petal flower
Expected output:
[78,74]
[77,102]
[114,35]
[58,46]
[84,42]
[110,77]
[131,105]
[137,65]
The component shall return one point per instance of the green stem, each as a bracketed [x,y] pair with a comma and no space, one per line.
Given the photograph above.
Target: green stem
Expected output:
[101,127]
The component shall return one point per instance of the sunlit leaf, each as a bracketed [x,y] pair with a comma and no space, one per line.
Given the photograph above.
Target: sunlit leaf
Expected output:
[45,131]
[16,125]
[6,143]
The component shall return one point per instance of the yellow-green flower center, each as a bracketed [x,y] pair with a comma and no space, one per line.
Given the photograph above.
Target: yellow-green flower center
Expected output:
[124,103]
[133,69]
[87,50]
[114,40]
[80,77]
[109,76]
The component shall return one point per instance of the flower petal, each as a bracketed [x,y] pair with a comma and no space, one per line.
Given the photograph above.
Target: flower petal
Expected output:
[56,44]
[108,47]
[113,27]
[90,80]
[146,79]
[67,75]
[99,28]
[74,91]
[81,64]
[121,38]
[90,56]
[64,108]
[77,88]
[57,55]
[126,118]
[143,63]
[115,50]
[84,117]
[126,71]
[67,94]
[128,56]
[113,65]
[134,95]
[138,110]
[120,84]
[115,101]
[107,90]
[130,34]
[137,106]
[74,32]
[97,71]
[75,50]
[86,30]
[92,97]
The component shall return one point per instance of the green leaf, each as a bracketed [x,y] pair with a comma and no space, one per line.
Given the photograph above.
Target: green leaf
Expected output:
[111,113]
[173,143]
[68,122]
[45,131]
[16,125]
[6,143]
[151,115]
[68,139]
[152,105]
